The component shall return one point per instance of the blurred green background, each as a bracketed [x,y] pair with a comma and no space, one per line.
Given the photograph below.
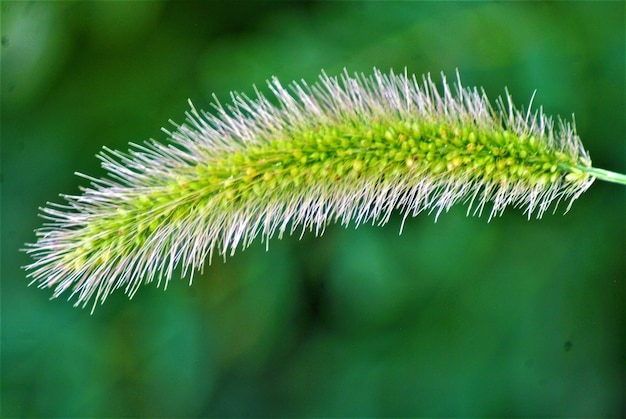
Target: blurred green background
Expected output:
[455,318]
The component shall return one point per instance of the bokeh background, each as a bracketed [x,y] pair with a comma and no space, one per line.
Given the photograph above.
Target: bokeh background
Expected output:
[455,318]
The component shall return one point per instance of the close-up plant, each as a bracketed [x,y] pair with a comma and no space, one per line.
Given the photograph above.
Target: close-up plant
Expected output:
[348,150]
[312,209]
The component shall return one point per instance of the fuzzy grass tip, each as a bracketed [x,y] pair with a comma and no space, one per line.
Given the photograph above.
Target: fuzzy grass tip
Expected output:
[348,149]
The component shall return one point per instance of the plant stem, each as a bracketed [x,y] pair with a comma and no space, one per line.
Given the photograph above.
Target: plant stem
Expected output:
[605,175]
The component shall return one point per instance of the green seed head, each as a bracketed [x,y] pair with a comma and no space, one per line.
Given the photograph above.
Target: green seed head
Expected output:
[349,148]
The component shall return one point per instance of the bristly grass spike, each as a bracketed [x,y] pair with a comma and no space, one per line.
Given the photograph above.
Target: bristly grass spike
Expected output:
[350,150]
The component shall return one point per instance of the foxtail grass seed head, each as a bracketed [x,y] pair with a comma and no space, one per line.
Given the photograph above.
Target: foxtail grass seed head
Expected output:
[351,149]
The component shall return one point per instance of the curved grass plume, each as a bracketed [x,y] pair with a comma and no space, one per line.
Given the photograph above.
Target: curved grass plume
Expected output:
[351,149]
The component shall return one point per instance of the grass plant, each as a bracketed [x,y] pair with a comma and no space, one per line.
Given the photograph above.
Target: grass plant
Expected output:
[348,149]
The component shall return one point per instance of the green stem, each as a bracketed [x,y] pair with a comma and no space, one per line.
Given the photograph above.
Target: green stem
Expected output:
[605,175]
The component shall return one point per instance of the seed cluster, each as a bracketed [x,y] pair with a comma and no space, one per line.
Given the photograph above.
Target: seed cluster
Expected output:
[349,151]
